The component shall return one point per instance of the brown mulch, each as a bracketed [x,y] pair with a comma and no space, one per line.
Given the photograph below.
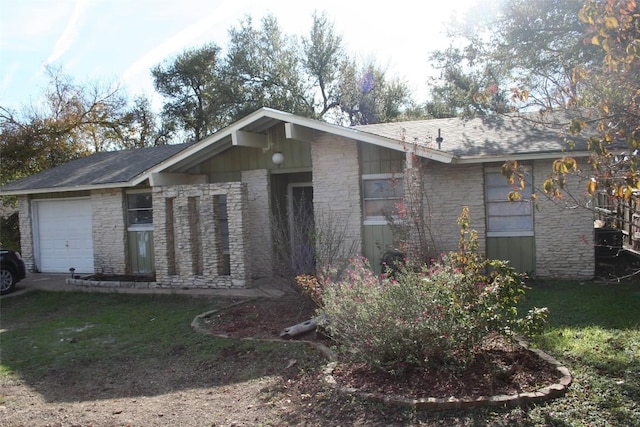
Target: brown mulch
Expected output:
[500,367]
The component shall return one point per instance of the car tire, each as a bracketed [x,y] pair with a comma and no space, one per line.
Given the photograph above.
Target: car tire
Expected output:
[7,281]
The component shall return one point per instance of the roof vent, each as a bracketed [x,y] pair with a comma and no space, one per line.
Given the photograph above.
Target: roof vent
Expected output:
[439,140]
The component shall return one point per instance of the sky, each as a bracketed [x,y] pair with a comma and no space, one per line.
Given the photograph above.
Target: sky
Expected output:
[119,41]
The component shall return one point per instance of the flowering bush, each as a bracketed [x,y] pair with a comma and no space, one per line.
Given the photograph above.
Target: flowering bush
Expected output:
[436,315]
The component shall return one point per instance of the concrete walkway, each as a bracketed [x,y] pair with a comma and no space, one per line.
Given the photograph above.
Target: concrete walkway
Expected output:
[58,283]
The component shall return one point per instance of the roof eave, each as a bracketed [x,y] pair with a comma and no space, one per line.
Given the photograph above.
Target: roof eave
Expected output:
[519,156]
[87,187]
[283,117]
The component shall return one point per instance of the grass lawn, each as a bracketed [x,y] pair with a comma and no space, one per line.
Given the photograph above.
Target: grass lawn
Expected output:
[594,329]
[76,345]
[51,340]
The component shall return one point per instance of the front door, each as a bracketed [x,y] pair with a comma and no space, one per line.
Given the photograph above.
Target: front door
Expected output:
[301,227]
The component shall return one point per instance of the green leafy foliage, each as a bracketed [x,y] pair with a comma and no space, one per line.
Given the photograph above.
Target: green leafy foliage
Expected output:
[71,121]
[512,54]
[435,315]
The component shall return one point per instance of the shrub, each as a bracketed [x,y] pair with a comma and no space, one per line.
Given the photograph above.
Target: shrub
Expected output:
[432,316]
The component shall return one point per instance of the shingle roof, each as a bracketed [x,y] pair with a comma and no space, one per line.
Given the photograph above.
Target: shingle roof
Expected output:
[478,137]
[109,167]
[473,140]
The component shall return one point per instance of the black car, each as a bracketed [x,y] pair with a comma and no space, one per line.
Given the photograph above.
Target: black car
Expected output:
[12,270]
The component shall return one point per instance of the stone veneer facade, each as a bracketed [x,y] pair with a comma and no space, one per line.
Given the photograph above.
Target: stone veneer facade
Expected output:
[447,189]
[259,248]
[187,254]
[336,187]
[564,232]
[564,236]
[109,231]
[188,248]
[26,232]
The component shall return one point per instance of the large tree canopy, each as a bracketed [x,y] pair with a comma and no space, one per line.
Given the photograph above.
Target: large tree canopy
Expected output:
[206,89]
[612,88]
[514,54]
[71,121]
[194,90]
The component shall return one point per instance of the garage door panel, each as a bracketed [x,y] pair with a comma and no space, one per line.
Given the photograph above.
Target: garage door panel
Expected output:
[65,236]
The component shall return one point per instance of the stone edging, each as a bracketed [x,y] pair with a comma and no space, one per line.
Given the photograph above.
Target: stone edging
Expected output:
[543,394]
[112,284]
[549,392]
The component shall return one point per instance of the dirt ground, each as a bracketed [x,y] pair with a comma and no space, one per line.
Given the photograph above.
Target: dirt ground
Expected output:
[186,395]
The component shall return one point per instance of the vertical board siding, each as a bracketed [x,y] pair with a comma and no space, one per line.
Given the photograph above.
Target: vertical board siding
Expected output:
[141,252]
[519,251]
[381,160]
[228,165]
[376,239]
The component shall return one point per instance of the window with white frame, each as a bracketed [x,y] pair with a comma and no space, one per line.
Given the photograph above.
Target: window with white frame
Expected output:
[139,210]
[382,197]
[507,218]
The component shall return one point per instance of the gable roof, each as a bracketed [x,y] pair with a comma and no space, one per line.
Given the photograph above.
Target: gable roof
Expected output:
[100,170]
[484,139]
[464,141]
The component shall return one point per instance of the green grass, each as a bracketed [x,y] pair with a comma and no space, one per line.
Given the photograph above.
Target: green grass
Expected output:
[594,329]
[71,338]
[42,330]
[56,340]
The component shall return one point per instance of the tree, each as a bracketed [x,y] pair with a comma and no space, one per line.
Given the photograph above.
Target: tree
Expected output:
[263,67]
[613,90]
[367,96]
[324,59]
[193,85]
[140,127]
[72,121]
[519,54]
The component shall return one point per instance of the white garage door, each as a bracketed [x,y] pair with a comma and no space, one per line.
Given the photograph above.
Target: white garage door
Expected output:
[63,235]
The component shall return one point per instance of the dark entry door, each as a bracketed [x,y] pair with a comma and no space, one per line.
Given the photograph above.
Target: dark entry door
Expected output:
[301,227]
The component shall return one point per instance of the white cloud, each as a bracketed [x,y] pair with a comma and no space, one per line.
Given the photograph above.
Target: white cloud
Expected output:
[70,33]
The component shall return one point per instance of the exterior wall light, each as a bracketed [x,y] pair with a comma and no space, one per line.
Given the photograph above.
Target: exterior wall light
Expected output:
[277,158]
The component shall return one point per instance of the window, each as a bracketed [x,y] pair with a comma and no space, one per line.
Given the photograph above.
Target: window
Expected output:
[505,218]
[139,210]
[382,195]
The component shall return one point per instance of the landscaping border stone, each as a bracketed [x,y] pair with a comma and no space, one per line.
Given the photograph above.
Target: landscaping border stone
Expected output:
[541,395]
[112,284]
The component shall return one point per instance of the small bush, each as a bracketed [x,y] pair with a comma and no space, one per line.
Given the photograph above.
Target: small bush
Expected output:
[433,316]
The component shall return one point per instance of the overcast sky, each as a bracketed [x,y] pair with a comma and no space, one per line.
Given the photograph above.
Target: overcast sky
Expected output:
[121,40]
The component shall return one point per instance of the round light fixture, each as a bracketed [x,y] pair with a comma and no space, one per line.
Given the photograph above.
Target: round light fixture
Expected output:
[277,158]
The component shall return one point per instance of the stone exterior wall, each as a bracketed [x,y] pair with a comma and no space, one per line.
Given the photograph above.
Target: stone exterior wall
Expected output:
[186,236]
[109,231]
[259,249]
[564,232]
[336,190]
[447,189]
[26,232]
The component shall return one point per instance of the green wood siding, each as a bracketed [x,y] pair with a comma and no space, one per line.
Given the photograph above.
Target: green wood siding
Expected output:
[380,160]
[376,239]
[141,252]
[519,251]
[227,166]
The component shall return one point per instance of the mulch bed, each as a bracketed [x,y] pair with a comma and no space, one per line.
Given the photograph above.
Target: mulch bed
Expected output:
[499,368]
